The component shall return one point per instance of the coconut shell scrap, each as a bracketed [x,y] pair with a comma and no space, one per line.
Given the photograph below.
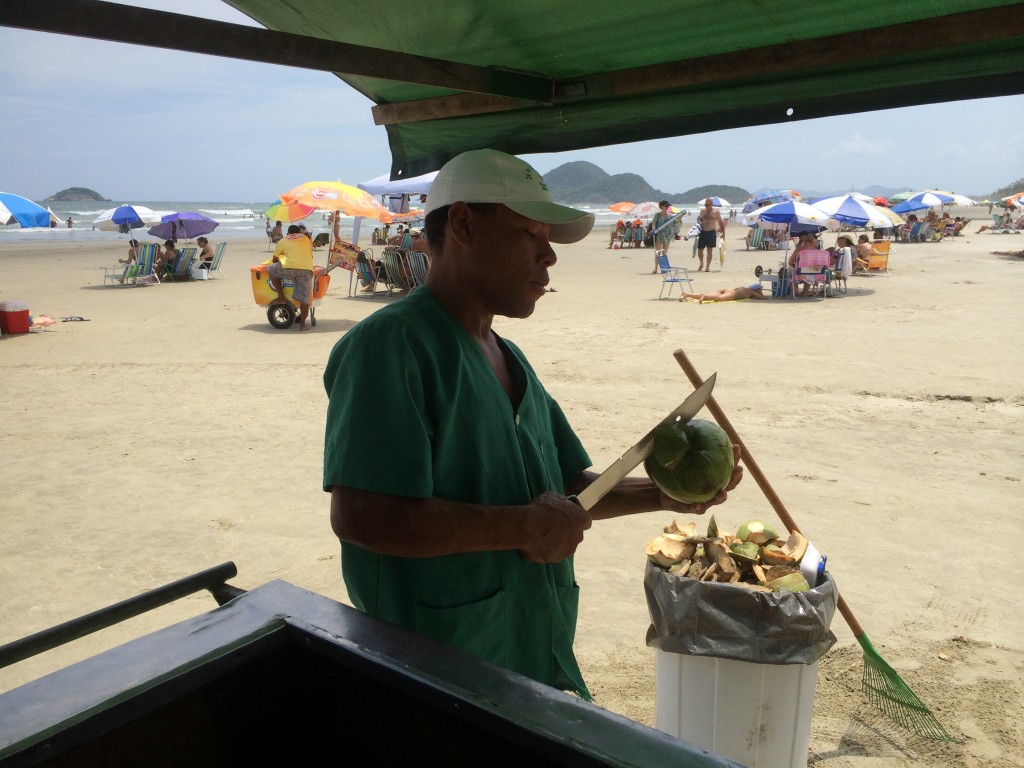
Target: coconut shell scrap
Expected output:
[748,559]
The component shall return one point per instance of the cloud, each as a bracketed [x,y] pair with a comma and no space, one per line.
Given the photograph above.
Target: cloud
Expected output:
[858,145]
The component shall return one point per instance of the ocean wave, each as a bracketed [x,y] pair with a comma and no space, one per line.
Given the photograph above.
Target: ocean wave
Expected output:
[214,212]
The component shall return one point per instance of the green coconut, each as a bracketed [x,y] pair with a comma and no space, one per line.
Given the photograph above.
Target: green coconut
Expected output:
[691,462]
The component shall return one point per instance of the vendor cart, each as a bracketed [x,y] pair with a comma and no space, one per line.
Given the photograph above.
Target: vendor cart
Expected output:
[283,315]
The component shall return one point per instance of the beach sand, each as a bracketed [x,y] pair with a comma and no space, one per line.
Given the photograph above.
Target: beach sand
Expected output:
[176,429]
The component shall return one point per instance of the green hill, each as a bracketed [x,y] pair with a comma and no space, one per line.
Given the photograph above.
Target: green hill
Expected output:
[76,194]
[583,183]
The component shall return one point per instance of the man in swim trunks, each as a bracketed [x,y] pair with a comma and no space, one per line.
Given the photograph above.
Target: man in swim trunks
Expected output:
[727,294]
[710,222]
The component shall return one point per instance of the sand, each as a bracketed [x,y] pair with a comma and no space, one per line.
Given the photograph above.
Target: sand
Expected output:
[176,429]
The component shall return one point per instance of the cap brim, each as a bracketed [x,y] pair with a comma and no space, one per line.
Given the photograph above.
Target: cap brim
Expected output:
[568,225]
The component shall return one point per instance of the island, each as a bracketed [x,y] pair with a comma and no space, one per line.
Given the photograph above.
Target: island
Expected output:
[76,194]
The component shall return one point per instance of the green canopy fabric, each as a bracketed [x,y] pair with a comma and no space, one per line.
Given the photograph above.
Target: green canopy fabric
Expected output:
[539,76]
[619,73]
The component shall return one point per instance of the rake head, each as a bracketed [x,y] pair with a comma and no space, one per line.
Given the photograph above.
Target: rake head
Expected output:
[884,689]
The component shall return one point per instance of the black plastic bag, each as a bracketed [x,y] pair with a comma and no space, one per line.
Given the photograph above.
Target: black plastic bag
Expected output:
[700,618]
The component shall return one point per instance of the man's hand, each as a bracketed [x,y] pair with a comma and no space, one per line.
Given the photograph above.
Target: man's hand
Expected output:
[699,509]
[555,528]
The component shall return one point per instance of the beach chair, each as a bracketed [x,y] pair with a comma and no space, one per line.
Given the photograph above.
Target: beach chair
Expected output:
[397,274]
[418,264]
[756,239]
[813,269]
[121,275]
[366,271]
[673,276]
[147,258]
[878,261]
[182,267]
[218,257]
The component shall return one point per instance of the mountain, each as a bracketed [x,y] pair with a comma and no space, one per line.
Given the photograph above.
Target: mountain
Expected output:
[583,183]
[76,194]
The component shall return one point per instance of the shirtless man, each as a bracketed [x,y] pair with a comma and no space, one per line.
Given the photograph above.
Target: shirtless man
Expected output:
[710,222]
[727,294]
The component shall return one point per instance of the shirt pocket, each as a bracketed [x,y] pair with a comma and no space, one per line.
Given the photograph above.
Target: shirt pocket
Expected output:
[477,628]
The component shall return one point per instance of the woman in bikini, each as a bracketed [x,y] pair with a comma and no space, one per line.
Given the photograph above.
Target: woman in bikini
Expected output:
[727,294]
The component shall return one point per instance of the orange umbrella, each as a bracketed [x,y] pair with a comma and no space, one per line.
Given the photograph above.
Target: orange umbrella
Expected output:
[623,207]
[335,196]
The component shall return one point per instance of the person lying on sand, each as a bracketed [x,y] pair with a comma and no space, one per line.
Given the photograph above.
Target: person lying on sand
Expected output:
[727,294]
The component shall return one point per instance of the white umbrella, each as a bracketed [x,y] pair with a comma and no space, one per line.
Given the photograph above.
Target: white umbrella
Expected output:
[643,209]
[853,212]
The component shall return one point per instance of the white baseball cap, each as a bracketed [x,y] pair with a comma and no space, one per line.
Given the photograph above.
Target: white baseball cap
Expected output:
[490,176]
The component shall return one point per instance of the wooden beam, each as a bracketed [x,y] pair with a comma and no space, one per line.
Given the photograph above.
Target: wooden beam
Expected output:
[161,29]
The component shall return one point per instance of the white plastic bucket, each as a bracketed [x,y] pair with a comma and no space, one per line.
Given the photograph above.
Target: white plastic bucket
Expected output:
[756,714]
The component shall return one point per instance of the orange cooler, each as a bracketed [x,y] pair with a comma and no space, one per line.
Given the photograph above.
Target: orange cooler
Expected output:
[264,294]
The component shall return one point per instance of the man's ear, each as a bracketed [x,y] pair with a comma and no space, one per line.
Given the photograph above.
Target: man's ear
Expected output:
[462,222]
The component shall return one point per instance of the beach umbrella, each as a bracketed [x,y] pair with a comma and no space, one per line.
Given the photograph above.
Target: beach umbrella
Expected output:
[792,215]
[624,207]
[383,185]
[183,226]
[772,196]
[849,210]
[288,213]
[643,209]
[15,208]
[789,212]
[336,196]
[962,200]
[881,201]
[922,200]
[899,197]
[126,217]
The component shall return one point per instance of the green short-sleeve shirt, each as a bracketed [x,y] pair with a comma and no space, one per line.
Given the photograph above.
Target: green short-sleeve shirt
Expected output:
[415,410]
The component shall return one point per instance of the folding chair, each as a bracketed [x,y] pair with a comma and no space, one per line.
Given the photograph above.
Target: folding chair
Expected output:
[812,269]
[672,276]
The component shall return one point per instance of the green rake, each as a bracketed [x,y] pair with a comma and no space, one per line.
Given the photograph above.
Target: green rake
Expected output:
[881,685]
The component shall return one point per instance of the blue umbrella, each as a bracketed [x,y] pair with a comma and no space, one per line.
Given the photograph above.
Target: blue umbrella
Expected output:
[22,210]
[771,196]
[847,209]
[126,217]
[922,200]
[183,226]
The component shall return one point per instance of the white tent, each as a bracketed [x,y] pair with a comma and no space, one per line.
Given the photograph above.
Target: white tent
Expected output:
[383,185]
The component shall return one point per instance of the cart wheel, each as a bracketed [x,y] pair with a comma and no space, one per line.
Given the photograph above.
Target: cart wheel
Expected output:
[281,315]
[758,271]
[312,321]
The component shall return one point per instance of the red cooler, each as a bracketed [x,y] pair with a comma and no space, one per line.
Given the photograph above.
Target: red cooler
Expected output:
[14,316]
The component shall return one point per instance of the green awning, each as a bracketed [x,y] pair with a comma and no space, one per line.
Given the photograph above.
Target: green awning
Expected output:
[538,76]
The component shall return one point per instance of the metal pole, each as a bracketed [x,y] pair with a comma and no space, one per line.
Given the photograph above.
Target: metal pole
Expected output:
[212,579]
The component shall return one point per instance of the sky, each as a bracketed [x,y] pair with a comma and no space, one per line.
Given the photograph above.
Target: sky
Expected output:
[138,124]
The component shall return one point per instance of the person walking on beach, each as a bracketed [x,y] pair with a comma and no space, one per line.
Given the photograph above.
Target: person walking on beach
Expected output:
[727,294]
[293,260]
[710,222]
[448,463]
[667,233]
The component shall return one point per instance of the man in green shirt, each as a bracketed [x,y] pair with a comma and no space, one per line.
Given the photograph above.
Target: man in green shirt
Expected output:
[449,465]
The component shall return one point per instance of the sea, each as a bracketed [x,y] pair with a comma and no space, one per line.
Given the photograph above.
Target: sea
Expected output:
[235,220]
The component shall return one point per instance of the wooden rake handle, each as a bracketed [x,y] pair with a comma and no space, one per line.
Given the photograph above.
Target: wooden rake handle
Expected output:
[755,471]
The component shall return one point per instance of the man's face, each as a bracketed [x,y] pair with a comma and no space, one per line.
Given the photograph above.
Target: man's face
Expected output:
[707,204]
[508,261]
